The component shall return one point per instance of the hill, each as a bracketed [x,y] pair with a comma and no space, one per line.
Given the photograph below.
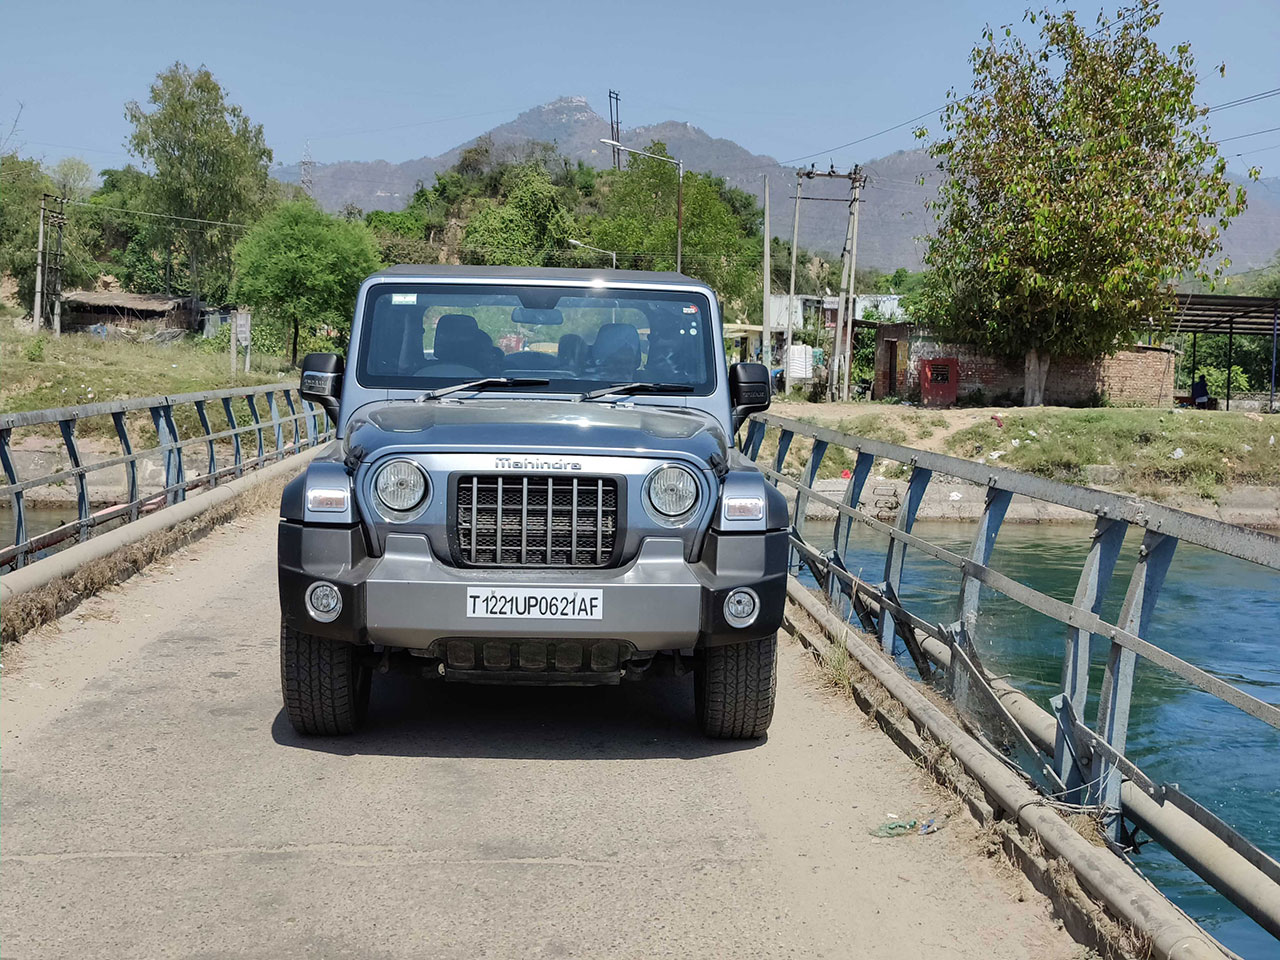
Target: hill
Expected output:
[892,218]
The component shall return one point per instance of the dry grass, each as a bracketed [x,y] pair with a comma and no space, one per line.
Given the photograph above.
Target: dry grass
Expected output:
[33,609]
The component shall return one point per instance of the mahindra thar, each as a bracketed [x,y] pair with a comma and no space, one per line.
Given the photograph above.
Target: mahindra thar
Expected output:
[534,481]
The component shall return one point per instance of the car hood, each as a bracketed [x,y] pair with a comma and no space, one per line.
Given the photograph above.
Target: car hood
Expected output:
[545,426]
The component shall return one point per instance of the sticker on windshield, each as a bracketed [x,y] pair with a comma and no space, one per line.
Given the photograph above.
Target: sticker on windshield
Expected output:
[691,309]
[404,298]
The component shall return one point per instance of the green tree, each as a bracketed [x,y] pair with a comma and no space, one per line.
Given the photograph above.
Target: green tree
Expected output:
[527,226]
[210,167]
[1080,184]
[723,245]
[72,178]
[22,185]
[301,268]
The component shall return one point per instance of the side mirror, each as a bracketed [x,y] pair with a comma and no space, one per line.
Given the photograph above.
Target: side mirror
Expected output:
[749,390]
[322,381]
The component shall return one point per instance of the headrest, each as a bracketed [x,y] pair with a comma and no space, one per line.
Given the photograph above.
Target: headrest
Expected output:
[616,352]
[456,338]
[614,339]
[571,349]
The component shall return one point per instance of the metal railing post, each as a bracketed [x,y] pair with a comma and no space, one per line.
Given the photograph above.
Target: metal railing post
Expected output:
[852,495]
[293,420]
[257,422]
[784,445]
[19,512]
[237,450]
[755,437]
[811,478]
[1154,557]
[68,430]
[1095,576]
[309,422]
[213,457]
[897,551]
[130,466]
[277,428]
[162,417]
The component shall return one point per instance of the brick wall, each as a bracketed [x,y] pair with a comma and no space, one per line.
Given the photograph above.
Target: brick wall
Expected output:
[1137,376]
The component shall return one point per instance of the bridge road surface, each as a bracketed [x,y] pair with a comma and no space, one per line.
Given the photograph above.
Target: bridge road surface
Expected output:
[156,803]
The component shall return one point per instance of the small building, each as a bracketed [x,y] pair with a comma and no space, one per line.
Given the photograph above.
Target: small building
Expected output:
[86,308]
[912,361]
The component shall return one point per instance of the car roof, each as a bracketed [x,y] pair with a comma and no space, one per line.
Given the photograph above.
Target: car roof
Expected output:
[567,274]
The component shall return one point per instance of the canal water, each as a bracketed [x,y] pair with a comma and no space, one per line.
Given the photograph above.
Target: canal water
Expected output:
[39,520]
[1221,614]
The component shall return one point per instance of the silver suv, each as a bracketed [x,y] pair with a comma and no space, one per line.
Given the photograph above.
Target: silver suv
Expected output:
[534,482]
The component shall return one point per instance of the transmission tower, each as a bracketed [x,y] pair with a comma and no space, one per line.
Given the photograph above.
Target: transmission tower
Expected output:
[615,125]
[305,169]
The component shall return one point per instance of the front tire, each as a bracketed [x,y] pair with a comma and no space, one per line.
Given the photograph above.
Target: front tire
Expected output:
[734,689]
[325,685]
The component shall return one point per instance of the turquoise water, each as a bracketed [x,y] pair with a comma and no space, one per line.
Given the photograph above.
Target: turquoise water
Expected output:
[1216,612]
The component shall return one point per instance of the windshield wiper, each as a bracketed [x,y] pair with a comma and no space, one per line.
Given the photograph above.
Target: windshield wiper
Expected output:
[625,388]
[483,384]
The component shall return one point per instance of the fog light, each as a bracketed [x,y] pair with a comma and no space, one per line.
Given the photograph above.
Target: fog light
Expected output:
[741,607]
[324,603]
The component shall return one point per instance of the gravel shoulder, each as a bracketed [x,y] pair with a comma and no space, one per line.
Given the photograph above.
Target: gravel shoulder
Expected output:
[157,804]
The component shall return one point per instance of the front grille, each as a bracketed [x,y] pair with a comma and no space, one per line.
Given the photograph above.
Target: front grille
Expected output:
[514,521]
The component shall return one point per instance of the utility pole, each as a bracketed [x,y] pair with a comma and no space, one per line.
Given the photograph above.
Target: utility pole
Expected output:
[791,295]
[766,336]
[306,169]
[38,307]
[856,180]
[837,339]
[53,272]
[615,125]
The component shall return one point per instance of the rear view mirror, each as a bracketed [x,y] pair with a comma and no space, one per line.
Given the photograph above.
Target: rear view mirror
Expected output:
[749,390]
[549,317]
[322,381]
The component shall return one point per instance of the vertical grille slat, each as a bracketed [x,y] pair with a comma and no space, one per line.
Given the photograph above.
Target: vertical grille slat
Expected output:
[576,526]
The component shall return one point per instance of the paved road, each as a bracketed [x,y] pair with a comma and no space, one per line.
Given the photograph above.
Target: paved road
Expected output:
[157,804]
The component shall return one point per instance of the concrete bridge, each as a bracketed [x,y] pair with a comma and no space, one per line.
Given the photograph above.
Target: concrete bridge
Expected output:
[155,802]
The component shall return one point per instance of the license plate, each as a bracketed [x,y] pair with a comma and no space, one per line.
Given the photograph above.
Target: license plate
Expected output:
[535,603]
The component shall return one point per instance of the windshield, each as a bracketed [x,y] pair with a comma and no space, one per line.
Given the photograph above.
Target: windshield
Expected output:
[425,336]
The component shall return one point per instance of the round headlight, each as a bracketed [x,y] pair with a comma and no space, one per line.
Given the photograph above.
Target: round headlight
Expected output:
[400,485]
[673,491]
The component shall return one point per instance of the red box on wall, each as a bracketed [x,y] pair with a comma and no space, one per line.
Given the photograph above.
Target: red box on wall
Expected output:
[939,381]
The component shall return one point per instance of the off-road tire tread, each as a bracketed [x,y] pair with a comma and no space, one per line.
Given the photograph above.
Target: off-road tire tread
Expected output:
[737,688]
[325,688]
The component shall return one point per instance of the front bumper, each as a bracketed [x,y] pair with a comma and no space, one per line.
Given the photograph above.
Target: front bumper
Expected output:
[408,598]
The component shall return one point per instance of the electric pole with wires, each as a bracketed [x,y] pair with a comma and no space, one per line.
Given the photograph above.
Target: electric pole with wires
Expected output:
[49,264]
[615,125]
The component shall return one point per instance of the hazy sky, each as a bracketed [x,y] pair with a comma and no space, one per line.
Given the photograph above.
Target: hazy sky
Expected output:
[397,80]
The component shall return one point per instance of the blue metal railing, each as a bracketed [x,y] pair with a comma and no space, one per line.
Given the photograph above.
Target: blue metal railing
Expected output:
[306,422]
[1083,764]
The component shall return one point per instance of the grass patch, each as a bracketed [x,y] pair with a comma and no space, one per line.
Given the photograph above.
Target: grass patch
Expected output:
[1218,449]
[41,371]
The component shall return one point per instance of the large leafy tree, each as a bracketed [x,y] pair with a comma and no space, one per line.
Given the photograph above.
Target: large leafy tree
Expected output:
[528,225]
[723,244]
[301,268]
[1079,185]
[210,167]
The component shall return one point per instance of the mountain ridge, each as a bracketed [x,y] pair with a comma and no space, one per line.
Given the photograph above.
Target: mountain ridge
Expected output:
[892,219]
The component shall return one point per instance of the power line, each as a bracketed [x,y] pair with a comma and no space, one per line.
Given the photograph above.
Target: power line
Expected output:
[1252,98]
[163,216]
